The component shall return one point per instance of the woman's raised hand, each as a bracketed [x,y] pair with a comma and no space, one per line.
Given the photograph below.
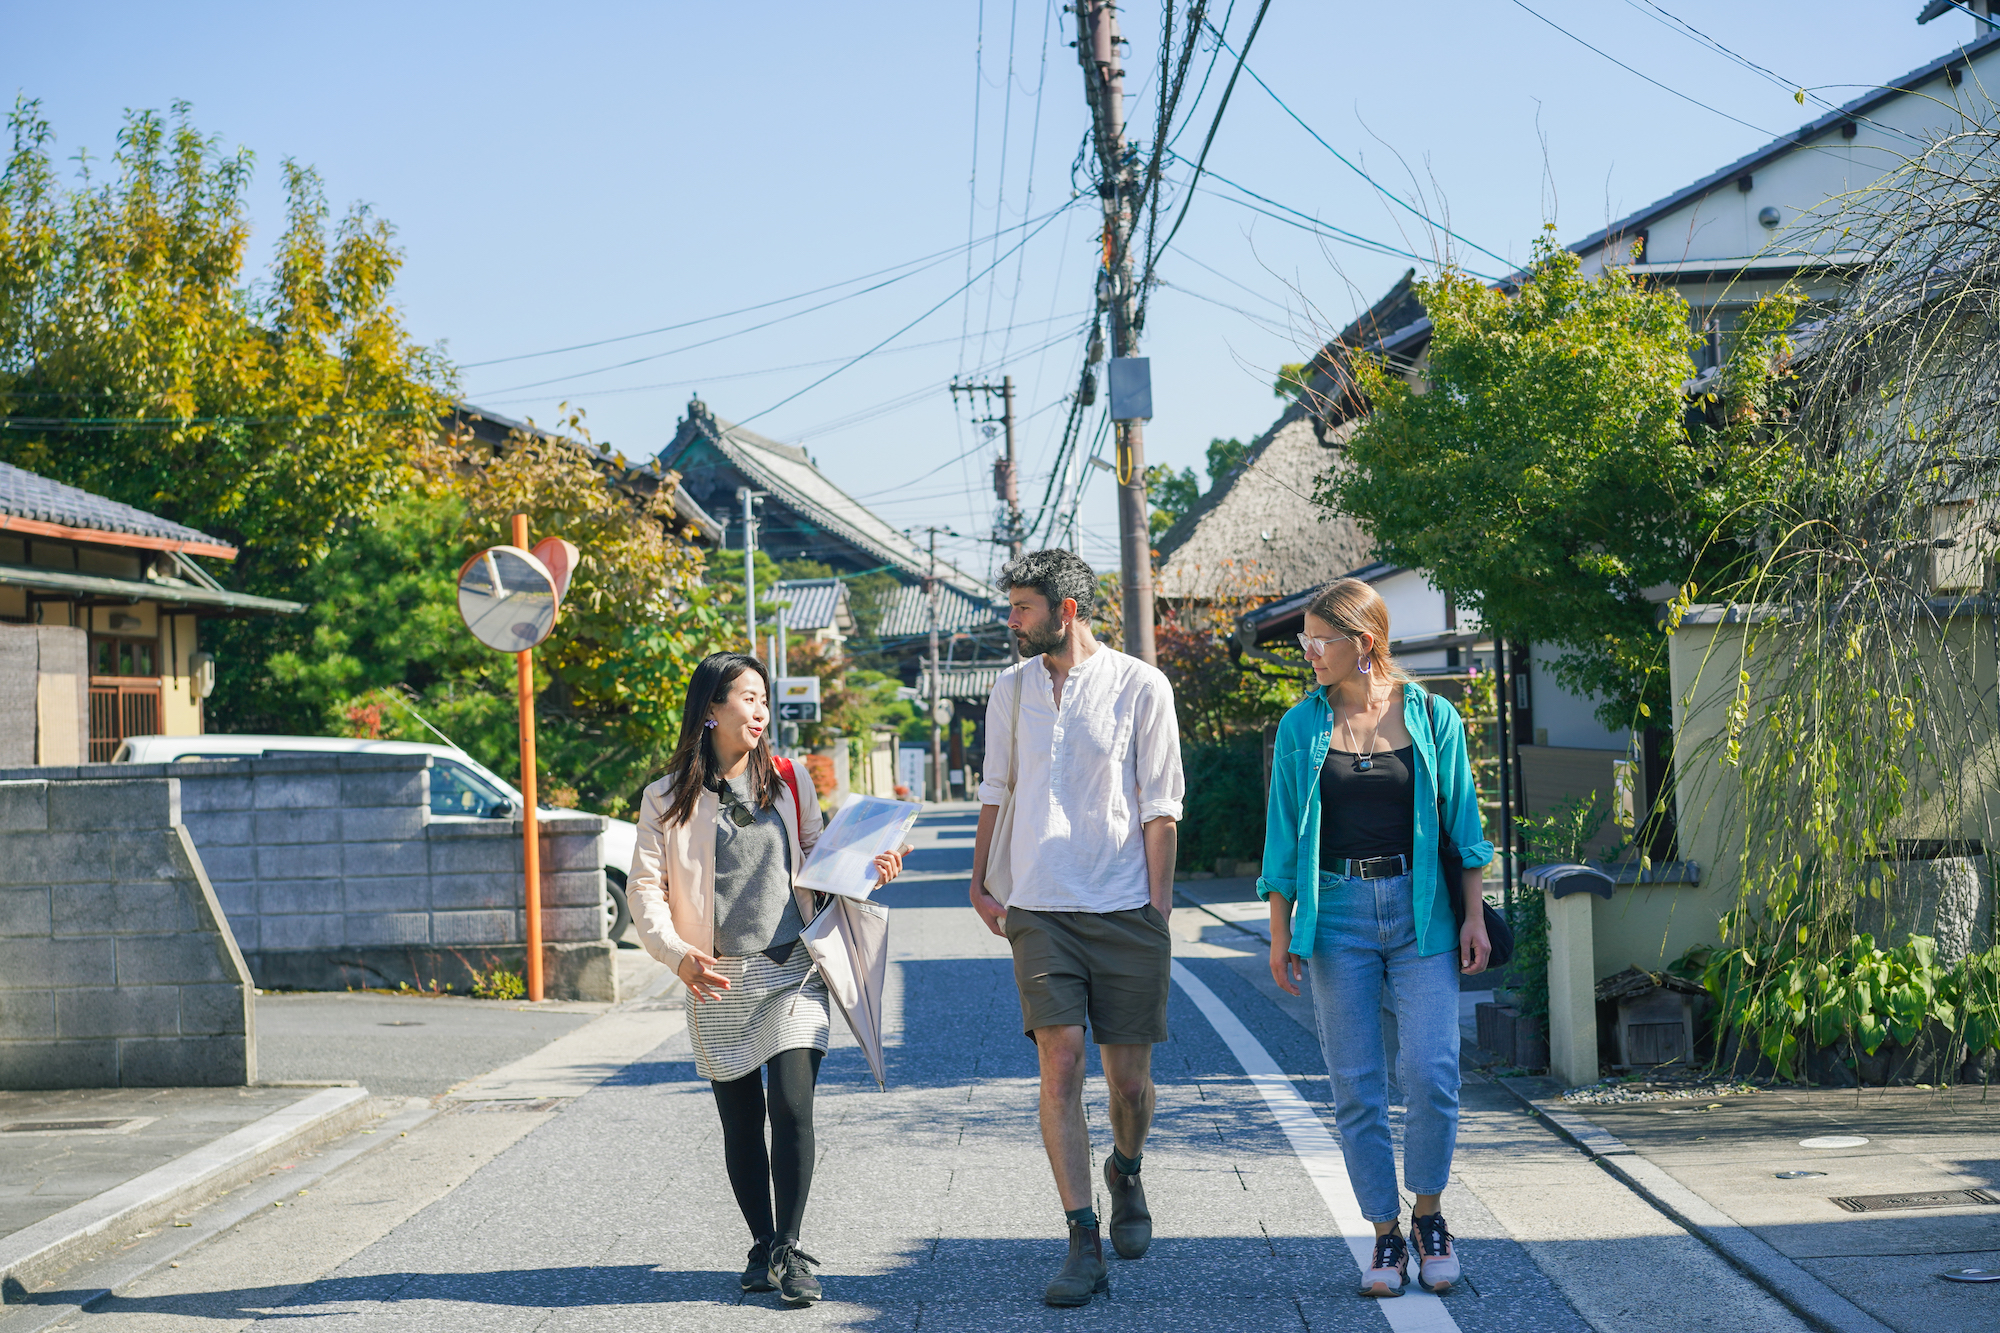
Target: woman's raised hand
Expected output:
[889,865]
[697,972]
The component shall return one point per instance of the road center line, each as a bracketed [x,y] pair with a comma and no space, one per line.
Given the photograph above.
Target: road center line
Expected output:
[1417,1312]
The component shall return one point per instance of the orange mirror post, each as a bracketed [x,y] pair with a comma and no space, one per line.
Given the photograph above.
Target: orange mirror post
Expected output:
[531,846]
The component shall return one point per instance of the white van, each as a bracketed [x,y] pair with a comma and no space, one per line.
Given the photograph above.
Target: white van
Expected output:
[461,788]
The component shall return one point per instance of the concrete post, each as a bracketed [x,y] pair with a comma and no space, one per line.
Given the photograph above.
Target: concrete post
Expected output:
[1572,988]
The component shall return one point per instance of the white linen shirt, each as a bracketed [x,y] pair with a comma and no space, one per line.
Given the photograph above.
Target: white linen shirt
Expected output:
[1091,774]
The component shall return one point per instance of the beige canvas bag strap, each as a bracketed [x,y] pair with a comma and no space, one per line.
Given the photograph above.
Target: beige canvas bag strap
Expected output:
[999,875]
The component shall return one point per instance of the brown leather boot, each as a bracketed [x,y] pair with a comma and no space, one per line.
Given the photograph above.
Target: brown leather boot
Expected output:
[1131,1221]
[1083,1273]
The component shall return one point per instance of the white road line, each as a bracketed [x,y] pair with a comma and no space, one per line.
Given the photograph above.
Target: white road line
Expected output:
[1416,1312]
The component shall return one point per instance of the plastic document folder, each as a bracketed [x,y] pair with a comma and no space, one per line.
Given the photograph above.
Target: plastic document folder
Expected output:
[843,861]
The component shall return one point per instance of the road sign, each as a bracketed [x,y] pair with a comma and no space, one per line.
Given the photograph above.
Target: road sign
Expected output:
[798,698]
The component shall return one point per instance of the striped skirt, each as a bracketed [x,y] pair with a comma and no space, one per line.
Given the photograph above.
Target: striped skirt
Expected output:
[764,1011]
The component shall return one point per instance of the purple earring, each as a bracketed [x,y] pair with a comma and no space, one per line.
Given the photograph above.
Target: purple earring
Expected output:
[1364,666]
[710,724]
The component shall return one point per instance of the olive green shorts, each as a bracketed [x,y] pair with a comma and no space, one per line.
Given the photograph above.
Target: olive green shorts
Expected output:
[1105,970]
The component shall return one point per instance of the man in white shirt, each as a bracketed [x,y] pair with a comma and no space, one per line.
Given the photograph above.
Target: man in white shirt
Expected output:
[1085,738]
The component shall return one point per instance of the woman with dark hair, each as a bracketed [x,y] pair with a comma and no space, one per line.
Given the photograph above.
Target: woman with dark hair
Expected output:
[1369,779]
[722,839]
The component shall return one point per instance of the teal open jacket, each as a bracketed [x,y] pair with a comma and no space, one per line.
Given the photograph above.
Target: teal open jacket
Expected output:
[1291,820]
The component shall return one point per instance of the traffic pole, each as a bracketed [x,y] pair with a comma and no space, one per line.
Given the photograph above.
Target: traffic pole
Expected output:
[531,846]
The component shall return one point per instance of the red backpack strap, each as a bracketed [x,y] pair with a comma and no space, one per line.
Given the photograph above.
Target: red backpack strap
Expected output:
[791,780]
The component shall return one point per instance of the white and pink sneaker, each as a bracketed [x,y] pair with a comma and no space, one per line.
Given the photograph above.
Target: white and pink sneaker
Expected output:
[1389,1268]
[1437,1256]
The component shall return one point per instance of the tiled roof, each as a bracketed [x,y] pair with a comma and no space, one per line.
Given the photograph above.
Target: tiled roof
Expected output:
[813,604]
[786,470]
[963,682]
[906,612]
[494,429]
[39,501]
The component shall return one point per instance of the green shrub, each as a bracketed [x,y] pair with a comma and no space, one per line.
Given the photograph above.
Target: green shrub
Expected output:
[1223,810]
[497,985]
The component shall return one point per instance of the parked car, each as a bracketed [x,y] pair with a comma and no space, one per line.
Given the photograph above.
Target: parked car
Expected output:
[461,788]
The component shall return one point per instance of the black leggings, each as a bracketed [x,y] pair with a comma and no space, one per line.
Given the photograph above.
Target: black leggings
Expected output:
[789,1163]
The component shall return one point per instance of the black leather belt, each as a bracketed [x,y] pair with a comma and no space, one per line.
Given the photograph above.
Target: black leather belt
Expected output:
[1375,867]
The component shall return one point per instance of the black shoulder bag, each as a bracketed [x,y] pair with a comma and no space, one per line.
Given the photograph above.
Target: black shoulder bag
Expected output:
[1499,935]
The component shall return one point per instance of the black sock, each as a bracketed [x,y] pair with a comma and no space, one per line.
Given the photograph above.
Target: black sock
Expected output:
[1083,1217]
[1123,1165]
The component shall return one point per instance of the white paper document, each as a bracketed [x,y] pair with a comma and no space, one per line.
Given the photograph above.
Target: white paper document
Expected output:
[843,861]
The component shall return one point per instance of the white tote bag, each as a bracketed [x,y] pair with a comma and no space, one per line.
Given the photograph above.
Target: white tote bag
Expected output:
[1000,875]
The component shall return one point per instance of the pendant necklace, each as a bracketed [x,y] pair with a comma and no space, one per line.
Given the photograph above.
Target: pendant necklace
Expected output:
[1362,762]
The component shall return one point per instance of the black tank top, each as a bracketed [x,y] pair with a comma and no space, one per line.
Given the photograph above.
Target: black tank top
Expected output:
[1367,813]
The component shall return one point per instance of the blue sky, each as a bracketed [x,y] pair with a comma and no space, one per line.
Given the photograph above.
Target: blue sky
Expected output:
[565,175]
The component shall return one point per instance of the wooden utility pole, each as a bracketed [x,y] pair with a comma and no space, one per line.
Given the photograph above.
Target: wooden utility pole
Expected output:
[1006,468]
[1117,296]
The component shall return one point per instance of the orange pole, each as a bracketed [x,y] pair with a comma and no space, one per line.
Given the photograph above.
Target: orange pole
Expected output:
[531,847]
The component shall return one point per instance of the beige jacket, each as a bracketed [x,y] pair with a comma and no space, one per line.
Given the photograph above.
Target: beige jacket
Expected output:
[671,890]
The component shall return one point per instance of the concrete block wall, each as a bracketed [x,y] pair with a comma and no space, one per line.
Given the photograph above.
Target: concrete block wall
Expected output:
[334,874]
[117,964]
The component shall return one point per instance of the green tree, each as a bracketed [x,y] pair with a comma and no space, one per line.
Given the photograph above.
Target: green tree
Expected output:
[1292,381]
[1171,495]
[137,361]
[1549,472]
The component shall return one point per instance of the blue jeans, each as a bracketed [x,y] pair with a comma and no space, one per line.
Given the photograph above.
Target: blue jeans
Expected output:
[1365,953]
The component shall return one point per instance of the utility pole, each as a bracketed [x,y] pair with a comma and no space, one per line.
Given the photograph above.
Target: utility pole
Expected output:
[1006,469]
[1118,185]
[937,681]
[749,500]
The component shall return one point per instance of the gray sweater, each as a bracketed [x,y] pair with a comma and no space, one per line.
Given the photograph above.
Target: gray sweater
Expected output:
[755,909]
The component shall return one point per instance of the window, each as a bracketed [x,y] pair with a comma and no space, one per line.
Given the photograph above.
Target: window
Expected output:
[457,790]
[124,657]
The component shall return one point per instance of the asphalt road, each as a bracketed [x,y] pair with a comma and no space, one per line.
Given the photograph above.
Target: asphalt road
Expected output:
[933,1206]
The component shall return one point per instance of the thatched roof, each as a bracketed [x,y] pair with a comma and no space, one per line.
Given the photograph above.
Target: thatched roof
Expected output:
[1257,532]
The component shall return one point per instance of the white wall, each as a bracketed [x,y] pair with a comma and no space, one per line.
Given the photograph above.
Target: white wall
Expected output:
[1569,719]
[1416,609]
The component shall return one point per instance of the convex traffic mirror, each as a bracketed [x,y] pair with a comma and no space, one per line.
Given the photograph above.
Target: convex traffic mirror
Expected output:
[508,598]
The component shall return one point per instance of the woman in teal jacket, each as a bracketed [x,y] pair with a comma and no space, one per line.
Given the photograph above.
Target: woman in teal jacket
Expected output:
[1358,907]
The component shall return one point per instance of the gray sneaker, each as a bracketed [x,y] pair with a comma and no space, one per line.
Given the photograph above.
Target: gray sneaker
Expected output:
[1131,1220]
[1437,1254]
[1083,1273]
[1389,1269]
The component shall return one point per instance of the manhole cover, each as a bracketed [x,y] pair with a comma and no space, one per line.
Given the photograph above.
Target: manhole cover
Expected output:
[1834,1141]
[1971,1275]
[1882,1203]
[1799,1175]
[401,1023]
[58,1126]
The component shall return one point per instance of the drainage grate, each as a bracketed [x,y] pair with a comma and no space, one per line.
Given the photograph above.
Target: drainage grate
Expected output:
[58,1126]
[536,1104]
[1881,1203]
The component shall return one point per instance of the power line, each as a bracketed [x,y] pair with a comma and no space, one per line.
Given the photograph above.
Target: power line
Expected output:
[724,337]
[1322,227]
[745,310]
[796,365]
[1700,38]
[1154,252]
[1386,193]
[1692,101]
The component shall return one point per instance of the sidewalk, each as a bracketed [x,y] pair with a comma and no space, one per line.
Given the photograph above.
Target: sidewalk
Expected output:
[1718,1163]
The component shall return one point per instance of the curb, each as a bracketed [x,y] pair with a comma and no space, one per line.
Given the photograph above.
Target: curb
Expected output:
[1819,1305]
[36,1253]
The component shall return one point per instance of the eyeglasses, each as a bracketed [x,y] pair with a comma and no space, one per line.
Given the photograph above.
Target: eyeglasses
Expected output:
[1316,647]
